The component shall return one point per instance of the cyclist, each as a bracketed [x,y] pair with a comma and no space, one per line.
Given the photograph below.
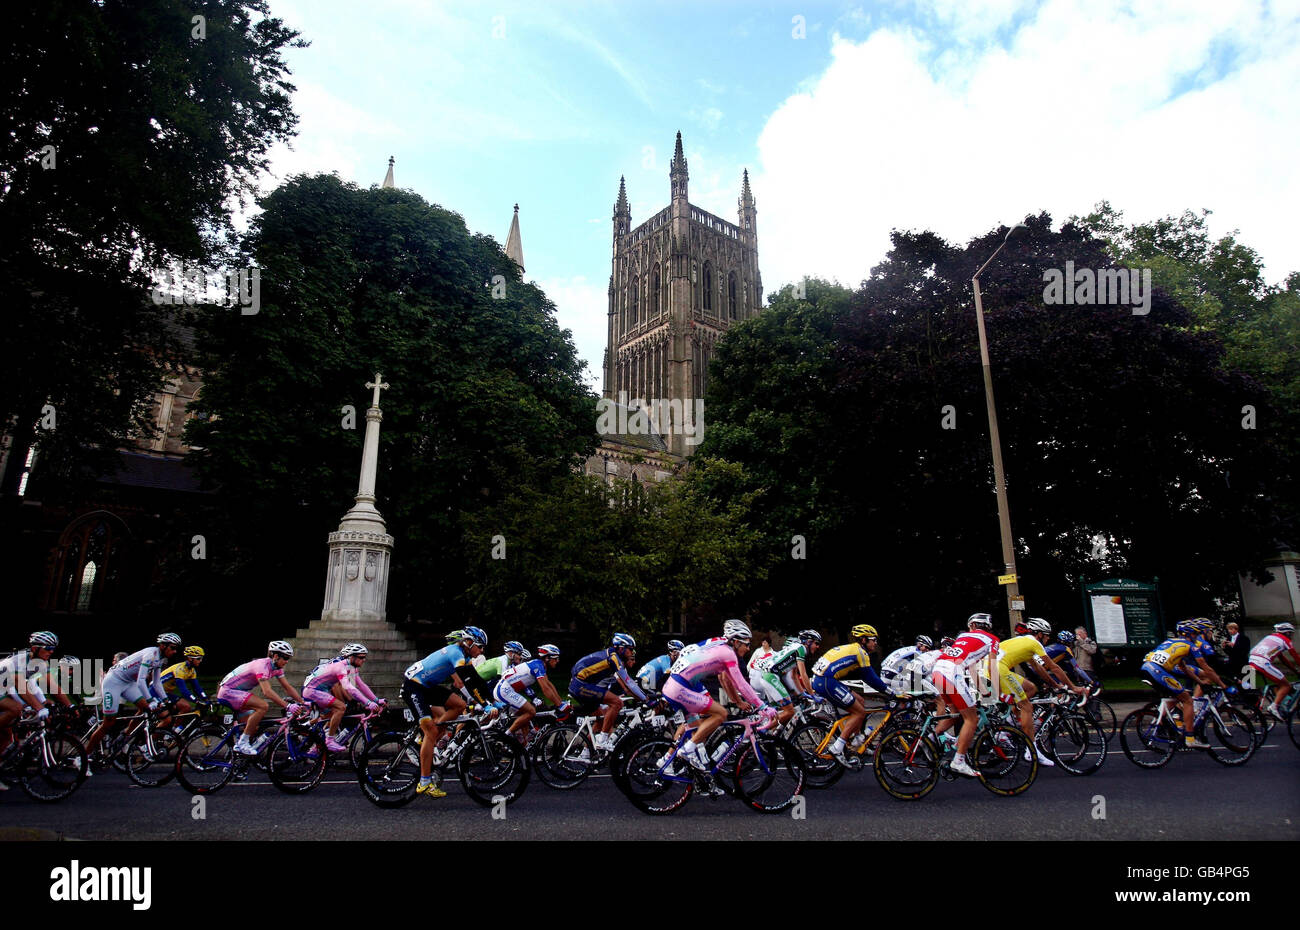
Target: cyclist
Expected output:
[654,673]
[950,678]
[425,689]
[918,675]
[594,675]
[181,681]
[1276,647]
[852,660]
[1029,648]
[518,678]
[236,689]
[785,672]
[138,679]
[323,686]
[718,656]
[19,677]
[491,669]
[1203,650]
[1062,653]
[1161,668]
[892,670]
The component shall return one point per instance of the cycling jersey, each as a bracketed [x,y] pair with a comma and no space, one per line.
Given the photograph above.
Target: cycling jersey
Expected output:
[184,678]
[20,673]
[917,676]
[779,663]
[142,669]
[755,657]
[340,671]
[593,674]
[1062,656]
[1170,654]
[492,668]
[969,648]
[715,656]
[848,661]
[654,673]
[438,667]
[1266,650]
[895,661]
[950,667]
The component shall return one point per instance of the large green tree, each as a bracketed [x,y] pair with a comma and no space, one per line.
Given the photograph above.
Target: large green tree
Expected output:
[486,391]
[131,128]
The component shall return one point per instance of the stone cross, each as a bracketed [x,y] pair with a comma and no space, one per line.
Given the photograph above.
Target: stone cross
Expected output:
[379,384]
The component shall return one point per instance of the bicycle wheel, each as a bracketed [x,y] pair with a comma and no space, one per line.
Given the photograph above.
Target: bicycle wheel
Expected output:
[388,769]
[1146,743]
[151,757]
[563,757]
[356,745]
[650,790]
[1293,724]
[770,779]
[53,768]
[207,759]
[906,764]
[493,767]
[822,772]
[1103,715]
[1004,760]
[1231,736]
[1076,744]
[296,760]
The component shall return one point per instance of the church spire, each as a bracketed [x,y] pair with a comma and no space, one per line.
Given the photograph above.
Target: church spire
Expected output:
[388,178]
[622,211]
[746,203]
[677,172]
[514,244]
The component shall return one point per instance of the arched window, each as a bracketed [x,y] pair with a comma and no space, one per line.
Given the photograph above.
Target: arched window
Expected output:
[731,295]
[87,563]
[636,303]
[708,286]
[656,298]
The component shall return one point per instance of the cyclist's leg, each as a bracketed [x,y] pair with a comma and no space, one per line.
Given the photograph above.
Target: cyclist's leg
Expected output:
[613,704]
[10,710]
[256,706]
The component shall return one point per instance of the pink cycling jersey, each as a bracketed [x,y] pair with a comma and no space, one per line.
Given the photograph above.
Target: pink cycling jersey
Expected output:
[246,676]
[323,678]
[714,657]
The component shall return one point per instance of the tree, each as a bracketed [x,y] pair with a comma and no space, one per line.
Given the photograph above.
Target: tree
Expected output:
[130,133]
[486,395]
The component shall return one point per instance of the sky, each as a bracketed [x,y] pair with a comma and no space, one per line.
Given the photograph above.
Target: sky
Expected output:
[852,119]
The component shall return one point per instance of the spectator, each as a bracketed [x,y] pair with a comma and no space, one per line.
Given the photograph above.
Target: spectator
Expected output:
[1237,646]
[1084,651]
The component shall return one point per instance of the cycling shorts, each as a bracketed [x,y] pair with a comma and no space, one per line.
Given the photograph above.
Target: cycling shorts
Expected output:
[1166,683]
[1268,670]
[508,695]
[588,694]
[834,690]
[769,687]
[117,693]
[1013,687]
[950,678]
[322,699]
[692,698]
[422,699]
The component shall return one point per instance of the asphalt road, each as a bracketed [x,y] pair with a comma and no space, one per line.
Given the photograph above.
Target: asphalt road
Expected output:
[1193,798]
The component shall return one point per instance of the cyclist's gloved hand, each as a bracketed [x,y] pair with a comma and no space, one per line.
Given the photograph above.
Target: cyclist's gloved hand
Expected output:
[1231,689]
[372,707]
[153,705]
[42,713]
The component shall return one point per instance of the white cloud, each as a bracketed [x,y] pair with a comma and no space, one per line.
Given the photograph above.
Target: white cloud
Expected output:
[1085,102]
[582,307]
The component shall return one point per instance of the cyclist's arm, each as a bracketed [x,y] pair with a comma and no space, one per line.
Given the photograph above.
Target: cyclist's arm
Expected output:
[629,685]
[269,693]
[1048,664]
[548,690]
[868,674]
[801,676]
[1209,673]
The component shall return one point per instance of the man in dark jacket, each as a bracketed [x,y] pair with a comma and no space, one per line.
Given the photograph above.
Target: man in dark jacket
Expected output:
[1237,646]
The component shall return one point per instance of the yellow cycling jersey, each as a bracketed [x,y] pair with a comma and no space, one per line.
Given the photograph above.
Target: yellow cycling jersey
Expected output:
[1018,649]
[1170,654]
[842,660]
[179,670]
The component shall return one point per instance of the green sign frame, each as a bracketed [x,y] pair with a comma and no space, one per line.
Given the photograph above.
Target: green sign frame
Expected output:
[1127,613]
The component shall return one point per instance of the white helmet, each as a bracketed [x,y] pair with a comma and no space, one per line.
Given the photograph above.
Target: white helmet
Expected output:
[736,629]
[983,620]
[1287,629]
[280,647]
[1039,625]
[353,649]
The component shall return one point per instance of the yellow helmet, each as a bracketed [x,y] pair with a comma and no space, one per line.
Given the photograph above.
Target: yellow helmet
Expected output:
[863,629]
[193,652]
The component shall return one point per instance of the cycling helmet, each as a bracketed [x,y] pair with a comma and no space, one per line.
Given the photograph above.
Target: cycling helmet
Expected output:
[169,639]
[525,654]
[474,633]
[863,629]
[622,640]
[456,636]
[810,636]
[946,642]
[1185,627]
[515,646]
[1021,629]
[1065,636]
[194,652]
[353,649]
[737,629]
[69,662]
[44,640]
[547,651]
[925,641]
[279,647]
[1286,629]
[1039,625]
[676,645]
[983,620]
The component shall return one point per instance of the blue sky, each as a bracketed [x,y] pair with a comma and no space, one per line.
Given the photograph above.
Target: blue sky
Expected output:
[853,119]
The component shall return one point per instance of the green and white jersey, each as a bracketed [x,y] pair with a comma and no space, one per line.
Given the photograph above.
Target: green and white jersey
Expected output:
[783,662]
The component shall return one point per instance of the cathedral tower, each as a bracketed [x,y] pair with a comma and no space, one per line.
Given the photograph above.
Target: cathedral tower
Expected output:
[679,280]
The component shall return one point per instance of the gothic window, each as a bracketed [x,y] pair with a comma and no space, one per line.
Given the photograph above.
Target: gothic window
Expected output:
[655,302]
[636,305]
[708,287]
[87,563]
[731,295]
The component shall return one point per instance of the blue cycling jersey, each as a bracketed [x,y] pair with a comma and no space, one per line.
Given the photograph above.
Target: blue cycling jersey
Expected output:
[437,668]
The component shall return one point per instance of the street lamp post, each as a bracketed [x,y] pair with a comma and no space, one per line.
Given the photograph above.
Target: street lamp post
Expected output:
[999,475]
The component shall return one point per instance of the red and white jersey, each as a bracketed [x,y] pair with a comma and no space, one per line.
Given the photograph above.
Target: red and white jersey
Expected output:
[1271,645]
[969,648]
